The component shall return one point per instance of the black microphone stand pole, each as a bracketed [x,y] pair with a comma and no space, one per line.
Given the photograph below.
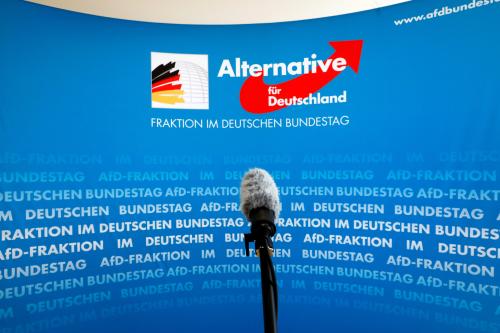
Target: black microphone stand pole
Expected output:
[261,231]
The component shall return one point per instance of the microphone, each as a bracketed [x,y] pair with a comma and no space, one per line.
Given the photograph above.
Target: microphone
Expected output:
[260,203]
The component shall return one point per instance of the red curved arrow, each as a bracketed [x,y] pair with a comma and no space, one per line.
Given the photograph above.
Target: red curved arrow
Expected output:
[254,93]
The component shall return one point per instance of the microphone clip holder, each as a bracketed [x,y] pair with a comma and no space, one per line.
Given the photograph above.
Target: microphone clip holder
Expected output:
[261,231]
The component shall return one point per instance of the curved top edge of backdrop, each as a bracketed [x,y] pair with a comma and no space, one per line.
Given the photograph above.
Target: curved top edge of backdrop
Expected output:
[216,11]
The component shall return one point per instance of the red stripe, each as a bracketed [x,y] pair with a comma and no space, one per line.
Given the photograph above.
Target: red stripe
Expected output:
[167,80]
[169,86]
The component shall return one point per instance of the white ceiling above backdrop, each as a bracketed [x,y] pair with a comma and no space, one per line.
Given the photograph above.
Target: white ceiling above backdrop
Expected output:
[216,11]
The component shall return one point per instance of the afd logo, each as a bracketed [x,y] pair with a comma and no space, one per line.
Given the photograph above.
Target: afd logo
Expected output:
[307,77]
[179,81]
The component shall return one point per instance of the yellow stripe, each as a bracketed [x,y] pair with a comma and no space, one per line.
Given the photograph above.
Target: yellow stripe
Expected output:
[169,97]
[169,92]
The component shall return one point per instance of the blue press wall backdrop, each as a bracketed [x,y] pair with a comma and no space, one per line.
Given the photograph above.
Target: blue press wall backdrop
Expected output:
[118,203]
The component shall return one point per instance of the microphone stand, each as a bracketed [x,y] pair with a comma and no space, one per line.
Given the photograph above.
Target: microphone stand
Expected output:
[261,231]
